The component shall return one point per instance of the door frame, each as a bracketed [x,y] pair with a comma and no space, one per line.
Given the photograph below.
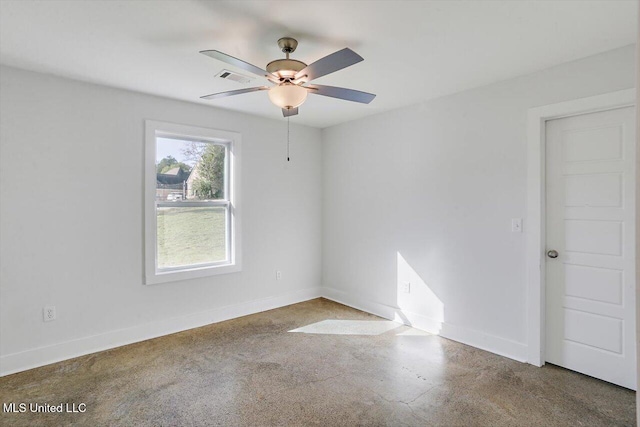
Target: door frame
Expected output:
[536,209]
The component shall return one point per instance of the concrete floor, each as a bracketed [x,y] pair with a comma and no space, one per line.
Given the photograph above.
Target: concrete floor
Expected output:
[349,368]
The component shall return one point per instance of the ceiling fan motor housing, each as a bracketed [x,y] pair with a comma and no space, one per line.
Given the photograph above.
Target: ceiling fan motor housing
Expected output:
[285,68]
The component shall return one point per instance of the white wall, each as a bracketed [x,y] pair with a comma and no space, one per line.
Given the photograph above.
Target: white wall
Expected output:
[426,194]
[71,219]
[423,194]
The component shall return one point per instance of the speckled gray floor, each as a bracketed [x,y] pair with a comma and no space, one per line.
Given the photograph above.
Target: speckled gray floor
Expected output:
[343,368]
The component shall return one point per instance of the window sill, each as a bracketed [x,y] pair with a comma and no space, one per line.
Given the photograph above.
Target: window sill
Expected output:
[193,273]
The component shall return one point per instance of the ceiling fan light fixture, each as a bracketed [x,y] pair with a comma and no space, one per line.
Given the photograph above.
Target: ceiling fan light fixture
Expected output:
[287,95]
[290,74]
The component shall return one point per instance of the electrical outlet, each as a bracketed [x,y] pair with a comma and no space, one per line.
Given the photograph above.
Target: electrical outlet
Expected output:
[49,313]
[516,225]
[278,274]
[406,287]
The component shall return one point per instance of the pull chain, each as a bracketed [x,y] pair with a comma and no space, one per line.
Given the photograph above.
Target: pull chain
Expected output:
[288,141]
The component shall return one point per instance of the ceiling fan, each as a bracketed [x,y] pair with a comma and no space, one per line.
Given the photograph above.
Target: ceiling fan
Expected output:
[290,77]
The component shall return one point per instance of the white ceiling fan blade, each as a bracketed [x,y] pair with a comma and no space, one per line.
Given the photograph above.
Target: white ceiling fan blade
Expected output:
[327,65]
[341,93]
[215,54]
[234,92]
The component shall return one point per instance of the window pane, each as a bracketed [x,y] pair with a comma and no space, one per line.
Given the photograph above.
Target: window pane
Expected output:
[190,236]
[189,170]
[207,181]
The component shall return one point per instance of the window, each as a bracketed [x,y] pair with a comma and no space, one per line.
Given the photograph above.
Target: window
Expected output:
[191,207]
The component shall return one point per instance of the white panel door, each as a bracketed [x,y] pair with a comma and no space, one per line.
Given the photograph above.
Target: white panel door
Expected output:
[590,211]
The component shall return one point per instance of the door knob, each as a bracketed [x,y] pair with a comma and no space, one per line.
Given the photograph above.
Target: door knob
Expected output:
[552,253]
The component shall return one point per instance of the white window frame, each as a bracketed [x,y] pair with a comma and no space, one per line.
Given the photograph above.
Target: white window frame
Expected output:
[232,140]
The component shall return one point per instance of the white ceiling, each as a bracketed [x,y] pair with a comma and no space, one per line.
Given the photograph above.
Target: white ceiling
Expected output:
[413,50]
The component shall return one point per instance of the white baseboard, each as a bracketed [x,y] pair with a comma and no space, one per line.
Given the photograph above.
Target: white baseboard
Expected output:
[361,304]
[24,360]
[491,343]
[29,359]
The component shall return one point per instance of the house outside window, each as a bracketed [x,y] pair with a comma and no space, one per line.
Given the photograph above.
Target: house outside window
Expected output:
[192,221]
